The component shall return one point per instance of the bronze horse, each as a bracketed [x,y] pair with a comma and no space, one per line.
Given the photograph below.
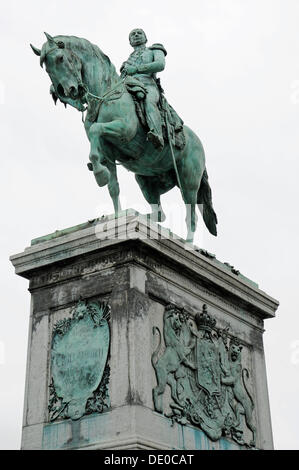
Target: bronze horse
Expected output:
[81,75]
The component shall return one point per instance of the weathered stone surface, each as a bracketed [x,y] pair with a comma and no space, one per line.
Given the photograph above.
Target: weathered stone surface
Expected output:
[36,404]
[137,276]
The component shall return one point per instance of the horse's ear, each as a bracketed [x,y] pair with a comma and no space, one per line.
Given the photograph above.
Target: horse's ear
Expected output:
[51,40]
[35,50]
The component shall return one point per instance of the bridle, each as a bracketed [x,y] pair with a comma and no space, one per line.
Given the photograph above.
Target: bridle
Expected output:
[87,93]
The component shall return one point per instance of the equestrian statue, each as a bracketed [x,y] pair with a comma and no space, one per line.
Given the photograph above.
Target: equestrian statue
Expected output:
[129,122]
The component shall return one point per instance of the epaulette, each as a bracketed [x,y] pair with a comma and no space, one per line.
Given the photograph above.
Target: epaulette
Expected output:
[158,47]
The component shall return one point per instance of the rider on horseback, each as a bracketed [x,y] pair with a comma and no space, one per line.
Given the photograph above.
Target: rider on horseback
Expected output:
[81,73]
[143,64]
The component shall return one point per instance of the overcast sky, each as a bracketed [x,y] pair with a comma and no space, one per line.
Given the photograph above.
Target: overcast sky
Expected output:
[232,73]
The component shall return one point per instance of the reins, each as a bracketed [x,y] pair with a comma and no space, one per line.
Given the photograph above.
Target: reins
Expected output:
[103,98]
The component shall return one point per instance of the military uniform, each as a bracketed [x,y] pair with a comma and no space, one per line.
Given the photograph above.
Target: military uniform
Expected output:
[147,61]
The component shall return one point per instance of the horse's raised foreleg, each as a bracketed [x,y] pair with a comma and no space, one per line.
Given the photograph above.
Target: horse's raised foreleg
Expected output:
[101,135]
[96,156]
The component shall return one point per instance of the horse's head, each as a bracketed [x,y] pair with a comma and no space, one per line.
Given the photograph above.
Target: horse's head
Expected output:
[64,69]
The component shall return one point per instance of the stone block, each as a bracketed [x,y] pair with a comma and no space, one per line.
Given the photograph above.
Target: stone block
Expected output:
[185,367]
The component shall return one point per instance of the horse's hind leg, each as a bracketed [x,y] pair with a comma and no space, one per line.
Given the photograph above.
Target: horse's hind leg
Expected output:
[150,188]
[190,199]
[191,218]
[190,169]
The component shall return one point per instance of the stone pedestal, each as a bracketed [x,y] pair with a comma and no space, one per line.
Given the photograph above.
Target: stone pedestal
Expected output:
[135,287]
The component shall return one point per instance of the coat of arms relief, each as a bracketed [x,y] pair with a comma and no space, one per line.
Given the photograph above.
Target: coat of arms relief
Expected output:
[202,365]
[79,362]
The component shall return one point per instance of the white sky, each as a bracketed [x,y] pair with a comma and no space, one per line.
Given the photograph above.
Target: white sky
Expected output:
[232,73]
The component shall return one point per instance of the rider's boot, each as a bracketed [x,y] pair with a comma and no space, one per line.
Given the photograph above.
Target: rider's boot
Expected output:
[153,118]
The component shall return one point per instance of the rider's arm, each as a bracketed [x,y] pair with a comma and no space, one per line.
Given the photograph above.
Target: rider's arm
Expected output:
[157,65]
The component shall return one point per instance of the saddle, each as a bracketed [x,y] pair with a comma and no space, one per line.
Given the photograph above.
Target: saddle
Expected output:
[172,124]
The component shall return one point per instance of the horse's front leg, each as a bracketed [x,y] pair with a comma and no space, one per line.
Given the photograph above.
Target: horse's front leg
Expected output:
[96,155]
[100,135]
[113,187]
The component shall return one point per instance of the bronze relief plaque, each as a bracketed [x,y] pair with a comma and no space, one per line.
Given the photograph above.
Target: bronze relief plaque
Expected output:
[79,354]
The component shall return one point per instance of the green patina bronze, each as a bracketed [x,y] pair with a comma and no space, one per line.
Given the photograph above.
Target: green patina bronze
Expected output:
[204,371]
[79,369]
[129,122]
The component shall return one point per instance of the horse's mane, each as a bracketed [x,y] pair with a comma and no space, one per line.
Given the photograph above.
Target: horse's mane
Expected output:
[84,49]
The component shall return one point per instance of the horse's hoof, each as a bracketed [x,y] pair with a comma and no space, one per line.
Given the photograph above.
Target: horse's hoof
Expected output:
[102,177]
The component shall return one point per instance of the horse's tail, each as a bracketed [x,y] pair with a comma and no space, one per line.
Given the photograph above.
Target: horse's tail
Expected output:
[204,200]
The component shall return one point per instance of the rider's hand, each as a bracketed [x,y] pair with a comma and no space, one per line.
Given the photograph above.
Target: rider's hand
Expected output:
[131,69]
